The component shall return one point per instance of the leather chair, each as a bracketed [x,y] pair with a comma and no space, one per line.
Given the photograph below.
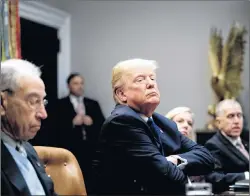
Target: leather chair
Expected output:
[62,166]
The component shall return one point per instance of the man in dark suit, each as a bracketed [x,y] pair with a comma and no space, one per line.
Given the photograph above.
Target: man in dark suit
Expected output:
[226,145]
[22,109]
[184,118]
[79,121]
[142,151]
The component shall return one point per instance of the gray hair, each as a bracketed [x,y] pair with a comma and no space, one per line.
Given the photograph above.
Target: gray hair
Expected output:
[124,67]
[223,105]
[14,69]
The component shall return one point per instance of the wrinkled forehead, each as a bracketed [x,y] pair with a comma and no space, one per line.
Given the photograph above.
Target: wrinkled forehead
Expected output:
[232,109]
[31,86]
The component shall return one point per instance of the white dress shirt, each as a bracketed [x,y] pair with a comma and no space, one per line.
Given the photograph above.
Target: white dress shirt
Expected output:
[75,101]
[25,167]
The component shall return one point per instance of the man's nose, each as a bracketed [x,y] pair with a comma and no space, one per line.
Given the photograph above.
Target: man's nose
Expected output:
[150,83]
[236,119]
[42,113]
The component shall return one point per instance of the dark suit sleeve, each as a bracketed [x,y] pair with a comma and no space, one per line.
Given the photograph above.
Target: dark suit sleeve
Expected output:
[214,150]
[221,181]
[200,161]
[218,178]
[133,141]
[6,186]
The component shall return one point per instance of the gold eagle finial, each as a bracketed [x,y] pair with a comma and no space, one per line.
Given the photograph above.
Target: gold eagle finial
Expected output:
[227,65]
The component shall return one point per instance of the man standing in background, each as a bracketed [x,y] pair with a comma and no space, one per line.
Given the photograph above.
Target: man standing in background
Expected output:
[79,120]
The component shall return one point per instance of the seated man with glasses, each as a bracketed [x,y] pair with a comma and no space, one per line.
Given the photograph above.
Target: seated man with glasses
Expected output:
[22,109]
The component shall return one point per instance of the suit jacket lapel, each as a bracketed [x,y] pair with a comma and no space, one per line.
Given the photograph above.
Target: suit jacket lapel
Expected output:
[152,135]
[232,148]
[123,109]
[70,106]
[148,130]
[246,145]
[11,170]
[86,105]
[170,139]
[39,171]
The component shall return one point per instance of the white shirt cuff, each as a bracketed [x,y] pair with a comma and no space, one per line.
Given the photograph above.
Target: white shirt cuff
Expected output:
[246,175]
[183,163]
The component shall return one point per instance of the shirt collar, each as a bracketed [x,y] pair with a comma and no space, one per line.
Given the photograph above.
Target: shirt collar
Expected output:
[234,141]
[73,97]
[7,139]
[145,118]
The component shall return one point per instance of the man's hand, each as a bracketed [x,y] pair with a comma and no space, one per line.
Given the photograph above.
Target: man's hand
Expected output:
[87,120]
[78,120]
[172,159]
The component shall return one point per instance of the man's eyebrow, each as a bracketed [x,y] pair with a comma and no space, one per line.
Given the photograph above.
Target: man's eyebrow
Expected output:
[34,94]
[140,75]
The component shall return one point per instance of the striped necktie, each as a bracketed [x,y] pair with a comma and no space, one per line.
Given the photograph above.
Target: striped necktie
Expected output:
[242,149]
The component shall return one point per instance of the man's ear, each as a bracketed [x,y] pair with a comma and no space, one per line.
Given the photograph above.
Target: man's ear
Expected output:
[3,103]
[121,96]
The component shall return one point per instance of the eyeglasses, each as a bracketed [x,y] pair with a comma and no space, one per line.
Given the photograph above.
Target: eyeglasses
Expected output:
[34,102]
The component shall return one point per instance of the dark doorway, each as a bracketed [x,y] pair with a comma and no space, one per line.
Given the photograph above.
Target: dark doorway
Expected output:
[40,45]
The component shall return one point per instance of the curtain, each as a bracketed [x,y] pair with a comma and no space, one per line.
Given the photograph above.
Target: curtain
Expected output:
[10,29]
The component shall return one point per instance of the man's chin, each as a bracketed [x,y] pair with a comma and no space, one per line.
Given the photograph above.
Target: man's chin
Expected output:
[34,130]
[235,133]
[154,100]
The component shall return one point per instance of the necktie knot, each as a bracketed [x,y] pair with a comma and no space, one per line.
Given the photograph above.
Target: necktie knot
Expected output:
[17,148]
[153,126]
[239,144]
[150,121]
[20,148]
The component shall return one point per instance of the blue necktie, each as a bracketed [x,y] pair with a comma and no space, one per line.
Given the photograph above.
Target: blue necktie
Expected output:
[156,131]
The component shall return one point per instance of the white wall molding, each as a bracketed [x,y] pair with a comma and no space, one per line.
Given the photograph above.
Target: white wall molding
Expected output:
[53,17]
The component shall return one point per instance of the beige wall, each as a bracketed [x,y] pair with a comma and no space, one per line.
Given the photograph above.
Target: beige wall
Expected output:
[173,33]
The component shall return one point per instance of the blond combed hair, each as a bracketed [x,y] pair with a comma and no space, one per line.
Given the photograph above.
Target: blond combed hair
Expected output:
[178,110]
[123,68]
